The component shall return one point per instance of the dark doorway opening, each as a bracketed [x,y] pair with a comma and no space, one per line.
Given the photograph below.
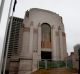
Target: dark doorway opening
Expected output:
[46,55]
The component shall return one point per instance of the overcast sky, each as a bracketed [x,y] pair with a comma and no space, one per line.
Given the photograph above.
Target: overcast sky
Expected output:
[68,9]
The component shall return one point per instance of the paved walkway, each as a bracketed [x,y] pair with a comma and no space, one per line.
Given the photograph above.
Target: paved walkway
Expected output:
[56,71]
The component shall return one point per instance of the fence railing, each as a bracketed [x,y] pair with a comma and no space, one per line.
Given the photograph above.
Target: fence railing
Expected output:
[45,64]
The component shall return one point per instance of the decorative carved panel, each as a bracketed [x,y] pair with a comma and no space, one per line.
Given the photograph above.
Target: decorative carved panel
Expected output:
[27,13]
[45,44]
[26,29]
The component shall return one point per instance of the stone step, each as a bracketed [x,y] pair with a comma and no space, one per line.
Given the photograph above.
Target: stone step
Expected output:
[56,71]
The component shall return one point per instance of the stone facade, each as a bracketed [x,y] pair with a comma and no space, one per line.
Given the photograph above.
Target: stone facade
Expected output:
[12,48]
[32,45]
[42,31]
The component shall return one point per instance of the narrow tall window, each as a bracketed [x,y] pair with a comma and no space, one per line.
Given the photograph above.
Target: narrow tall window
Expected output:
[46,35]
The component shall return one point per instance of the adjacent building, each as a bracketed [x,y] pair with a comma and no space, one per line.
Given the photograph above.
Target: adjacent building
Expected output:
[13,43]
[75,56]
[76,53]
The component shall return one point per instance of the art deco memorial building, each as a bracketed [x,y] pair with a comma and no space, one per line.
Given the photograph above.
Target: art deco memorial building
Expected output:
[41,36]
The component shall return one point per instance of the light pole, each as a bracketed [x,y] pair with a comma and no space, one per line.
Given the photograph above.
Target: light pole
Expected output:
[5,51]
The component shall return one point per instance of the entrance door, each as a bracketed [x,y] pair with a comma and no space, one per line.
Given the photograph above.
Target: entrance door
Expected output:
[46,55]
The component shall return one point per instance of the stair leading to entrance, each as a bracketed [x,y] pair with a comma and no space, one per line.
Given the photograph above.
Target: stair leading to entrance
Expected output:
[56,71]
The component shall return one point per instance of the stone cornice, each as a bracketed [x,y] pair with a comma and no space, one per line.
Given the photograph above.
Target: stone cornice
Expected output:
[43,10]
[25,59]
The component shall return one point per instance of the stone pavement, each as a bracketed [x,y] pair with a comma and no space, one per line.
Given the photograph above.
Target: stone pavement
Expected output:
[56,71]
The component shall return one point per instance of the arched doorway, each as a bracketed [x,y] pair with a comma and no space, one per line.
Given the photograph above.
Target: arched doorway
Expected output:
[46,41]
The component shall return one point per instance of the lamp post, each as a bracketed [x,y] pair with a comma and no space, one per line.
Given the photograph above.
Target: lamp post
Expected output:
[5,51]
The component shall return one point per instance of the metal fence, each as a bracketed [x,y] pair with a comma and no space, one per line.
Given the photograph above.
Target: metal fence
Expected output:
[46,64]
